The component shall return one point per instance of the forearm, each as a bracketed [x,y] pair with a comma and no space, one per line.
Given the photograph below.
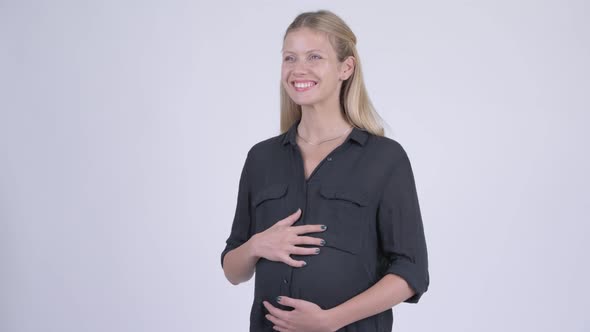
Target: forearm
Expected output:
[386,293]
[240,263]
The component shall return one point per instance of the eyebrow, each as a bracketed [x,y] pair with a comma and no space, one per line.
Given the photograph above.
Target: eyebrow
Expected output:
[314,50]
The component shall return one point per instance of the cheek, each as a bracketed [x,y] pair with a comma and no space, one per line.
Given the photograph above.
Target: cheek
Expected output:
[284,82]
[284,76]
[330,78]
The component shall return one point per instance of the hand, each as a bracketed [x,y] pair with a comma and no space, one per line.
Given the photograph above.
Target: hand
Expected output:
[306,316]
[279,241]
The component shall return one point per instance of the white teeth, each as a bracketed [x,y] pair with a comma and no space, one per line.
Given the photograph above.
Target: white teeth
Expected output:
[304,85]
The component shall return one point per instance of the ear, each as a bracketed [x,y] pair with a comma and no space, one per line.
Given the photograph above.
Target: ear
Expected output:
[347,68]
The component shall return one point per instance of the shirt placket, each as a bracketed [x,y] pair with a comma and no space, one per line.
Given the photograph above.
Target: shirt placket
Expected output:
[305,205]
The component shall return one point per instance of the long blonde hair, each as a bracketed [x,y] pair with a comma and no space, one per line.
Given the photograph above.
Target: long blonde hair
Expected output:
[354,99]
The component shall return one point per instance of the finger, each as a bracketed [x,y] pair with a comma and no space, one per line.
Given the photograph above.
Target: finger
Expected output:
[280,325]
[303,229]
[274,311]
[290,261]
[290,302]
[314,241]
[281,329]
[291,219]
[305,251]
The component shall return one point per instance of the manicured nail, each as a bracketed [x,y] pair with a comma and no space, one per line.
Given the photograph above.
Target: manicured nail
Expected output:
[317,250]
[324,227]
[323,242]
[304,263]
[278,299]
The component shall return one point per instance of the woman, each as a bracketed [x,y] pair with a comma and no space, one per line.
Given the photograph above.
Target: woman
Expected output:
[327,212]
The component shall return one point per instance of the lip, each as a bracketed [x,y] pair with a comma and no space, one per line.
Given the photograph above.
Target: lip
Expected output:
[303,81]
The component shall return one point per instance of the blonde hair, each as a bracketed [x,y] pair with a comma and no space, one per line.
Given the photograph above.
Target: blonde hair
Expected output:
[354,99]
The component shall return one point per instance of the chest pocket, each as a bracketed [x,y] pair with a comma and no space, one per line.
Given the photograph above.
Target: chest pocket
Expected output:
[343,209]
[270,204]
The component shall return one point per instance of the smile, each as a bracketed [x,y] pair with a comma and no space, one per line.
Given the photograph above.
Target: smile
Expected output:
[304,86]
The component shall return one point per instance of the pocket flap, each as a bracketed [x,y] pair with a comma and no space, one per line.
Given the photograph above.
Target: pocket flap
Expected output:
[354,195]
[340,243]
[272,191]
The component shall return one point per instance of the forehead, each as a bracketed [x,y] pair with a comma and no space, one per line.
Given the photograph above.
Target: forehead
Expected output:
[305,39]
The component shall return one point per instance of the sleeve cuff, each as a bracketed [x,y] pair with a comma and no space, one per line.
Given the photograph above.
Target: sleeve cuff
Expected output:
[417,278]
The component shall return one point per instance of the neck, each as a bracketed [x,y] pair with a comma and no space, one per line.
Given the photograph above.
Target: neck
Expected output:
[321,121]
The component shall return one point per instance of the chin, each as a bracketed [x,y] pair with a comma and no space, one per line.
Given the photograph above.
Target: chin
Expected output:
[305,101]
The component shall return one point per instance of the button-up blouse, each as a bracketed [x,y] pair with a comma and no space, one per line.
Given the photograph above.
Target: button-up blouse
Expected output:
[364,192]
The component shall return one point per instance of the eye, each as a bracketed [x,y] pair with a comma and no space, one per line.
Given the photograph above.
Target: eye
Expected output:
[315,56]
[288,58]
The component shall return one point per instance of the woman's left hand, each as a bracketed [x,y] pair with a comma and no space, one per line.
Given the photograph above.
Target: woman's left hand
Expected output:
[305,317]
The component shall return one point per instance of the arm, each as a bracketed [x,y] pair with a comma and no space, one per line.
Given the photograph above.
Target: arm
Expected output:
[243,248]
[386,293]
[404,265]
[239,264]
[307,316]
[276,244]
[238,259]
[402,241]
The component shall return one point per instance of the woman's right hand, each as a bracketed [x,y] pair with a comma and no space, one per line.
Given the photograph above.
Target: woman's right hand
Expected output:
[279,241]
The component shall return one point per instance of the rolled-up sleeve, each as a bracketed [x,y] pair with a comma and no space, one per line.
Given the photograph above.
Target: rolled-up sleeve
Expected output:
[401,231]
[241,229]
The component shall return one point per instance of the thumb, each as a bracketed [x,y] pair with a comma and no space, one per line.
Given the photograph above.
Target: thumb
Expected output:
[292,218]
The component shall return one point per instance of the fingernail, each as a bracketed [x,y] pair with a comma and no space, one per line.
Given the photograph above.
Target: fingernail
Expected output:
[323,242]
[304,263]
[324,227]
[278,299]
[317,250]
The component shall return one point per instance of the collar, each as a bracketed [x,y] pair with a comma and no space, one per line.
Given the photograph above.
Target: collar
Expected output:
[358,135]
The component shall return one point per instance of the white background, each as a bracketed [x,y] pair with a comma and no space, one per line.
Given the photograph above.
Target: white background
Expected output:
[124,126]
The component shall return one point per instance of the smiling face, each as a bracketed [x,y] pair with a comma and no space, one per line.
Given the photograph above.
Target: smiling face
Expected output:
[311,73]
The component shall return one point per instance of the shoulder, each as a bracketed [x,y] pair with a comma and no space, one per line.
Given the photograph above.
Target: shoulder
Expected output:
[390,150]
[266,149]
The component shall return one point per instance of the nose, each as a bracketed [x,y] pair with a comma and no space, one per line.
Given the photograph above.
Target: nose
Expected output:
[299,67]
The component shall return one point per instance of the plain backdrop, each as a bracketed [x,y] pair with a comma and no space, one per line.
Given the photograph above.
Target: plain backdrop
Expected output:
[124,126]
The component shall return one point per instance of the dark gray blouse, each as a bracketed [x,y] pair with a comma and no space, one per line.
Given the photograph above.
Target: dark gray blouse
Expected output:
[364,191]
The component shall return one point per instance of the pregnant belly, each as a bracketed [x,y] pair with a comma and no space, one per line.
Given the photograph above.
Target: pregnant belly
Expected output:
[330,278]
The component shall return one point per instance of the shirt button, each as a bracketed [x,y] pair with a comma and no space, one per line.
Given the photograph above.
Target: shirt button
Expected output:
[329,158]
[285,281]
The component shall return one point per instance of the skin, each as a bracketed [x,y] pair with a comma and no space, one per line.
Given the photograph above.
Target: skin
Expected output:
[308,55]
